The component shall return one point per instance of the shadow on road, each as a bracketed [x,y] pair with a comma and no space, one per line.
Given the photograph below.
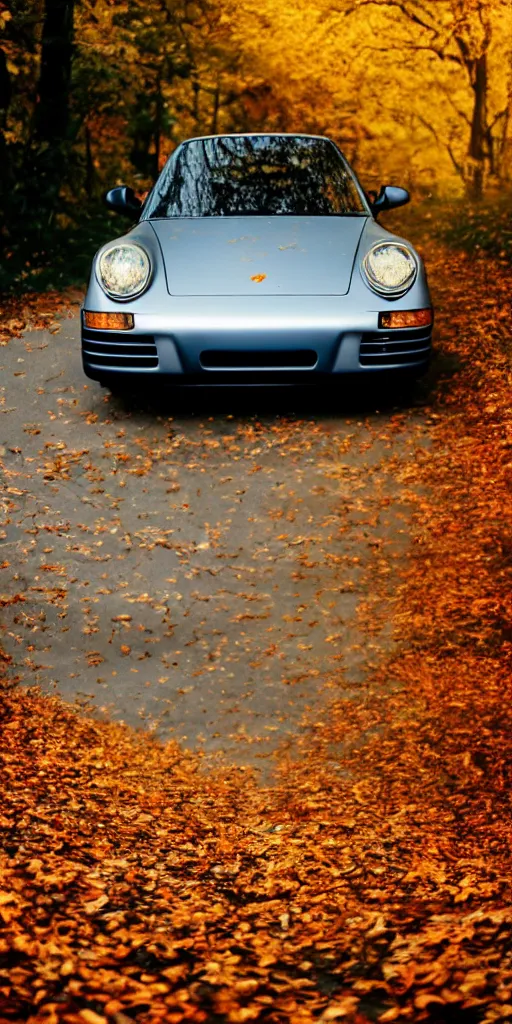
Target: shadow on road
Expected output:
[349,397]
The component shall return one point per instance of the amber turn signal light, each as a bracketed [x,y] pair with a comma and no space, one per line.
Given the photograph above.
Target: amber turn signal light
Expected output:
[108,321]
[406,318]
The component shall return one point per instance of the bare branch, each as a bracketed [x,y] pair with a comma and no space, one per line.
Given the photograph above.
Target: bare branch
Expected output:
[413,48]
[441,142]
[498,117]
[451,57]
[410,14]
[458,167]
[461,113]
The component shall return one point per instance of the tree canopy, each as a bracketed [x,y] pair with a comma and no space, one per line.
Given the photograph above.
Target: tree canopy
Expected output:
[98,91]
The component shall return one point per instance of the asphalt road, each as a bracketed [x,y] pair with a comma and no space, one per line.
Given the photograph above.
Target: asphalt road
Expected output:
[212,567]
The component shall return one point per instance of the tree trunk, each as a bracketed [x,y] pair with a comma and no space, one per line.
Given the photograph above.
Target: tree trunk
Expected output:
[477,141]
[51,117]
[215,111]
[195,100]
[89,163]
[5,99]
[5,89]
[157,133]
[48,152]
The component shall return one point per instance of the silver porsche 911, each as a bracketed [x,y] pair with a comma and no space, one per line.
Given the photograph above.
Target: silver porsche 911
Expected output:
[255,258]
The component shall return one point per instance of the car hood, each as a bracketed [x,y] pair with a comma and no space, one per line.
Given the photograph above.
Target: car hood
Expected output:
[259,255]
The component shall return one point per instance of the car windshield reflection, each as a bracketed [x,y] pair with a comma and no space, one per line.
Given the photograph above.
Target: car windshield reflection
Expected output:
[261,175]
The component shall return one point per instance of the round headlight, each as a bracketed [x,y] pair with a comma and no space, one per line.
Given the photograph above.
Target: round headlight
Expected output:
[390,268]
[124,270]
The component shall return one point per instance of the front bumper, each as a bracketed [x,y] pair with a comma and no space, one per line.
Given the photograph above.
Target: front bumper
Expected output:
[317,339]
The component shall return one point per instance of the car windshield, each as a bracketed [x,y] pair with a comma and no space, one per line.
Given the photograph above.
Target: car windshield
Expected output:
[265,175]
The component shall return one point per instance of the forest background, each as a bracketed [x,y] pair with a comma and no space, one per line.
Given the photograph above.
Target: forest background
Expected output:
[99,92]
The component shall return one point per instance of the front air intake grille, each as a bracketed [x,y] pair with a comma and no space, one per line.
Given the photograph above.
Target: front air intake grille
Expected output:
[293,359]
[119,350]
[395,349]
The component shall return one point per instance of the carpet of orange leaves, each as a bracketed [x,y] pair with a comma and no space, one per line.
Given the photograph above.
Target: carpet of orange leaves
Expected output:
[35,311]
[372,882]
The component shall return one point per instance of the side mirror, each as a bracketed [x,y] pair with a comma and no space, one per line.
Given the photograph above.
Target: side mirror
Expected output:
[389,197]
[123,200]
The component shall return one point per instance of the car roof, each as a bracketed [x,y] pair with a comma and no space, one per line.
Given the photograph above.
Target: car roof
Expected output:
[246,135]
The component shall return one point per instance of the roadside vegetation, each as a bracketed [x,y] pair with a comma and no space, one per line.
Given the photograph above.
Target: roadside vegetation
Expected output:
[477,228]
